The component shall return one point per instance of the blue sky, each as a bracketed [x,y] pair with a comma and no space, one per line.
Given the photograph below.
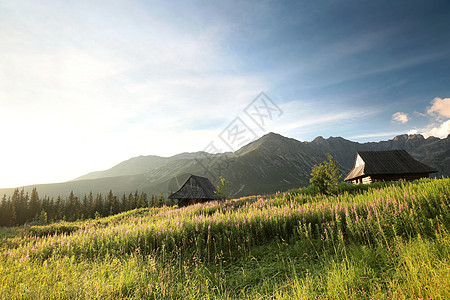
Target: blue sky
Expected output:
[87,84]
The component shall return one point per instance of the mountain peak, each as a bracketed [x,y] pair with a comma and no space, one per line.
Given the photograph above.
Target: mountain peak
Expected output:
[274,143]
[266,140]
[406,137]
[273,135]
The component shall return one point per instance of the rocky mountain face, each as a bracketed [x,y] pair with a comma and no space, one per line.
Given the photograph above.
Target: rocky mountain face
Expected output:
[271,163]
[432,151]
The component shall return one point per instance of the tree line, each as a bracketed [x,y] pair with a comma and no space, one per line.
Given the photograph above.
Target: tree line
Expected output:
[22,208]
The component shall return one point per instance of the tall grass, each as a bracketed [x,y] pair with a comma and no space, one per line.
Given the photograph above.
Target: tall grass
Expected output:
[389,241]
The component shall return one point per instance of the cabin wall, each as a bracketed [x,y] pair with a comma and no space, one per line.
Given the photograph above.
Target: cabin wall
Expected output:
[357,181]
[389,177]
[367,180]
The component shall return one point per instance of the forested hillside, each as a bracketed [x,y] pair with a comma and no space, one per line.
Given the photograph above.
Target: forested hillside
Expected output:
[22,208]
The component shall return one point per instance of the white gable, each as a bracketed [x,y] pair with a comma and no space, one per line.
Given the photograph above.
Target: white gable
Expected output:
[359,161]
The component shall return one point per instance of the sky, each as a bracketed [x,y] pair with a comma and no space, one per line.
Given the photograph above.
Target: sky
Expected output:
[85,85]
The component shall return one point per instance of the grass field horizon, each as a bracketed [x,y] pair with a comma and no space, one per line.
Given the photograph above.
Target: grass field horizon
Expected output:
[386,241]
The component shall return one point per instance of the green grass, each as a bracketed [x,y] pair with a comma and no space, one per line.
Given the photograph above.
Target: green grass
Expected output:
[382,242]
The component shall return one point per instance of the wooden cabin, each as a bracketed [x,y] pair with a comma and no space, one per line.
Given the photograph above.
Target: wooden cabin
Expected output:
[195,190]
[392,165]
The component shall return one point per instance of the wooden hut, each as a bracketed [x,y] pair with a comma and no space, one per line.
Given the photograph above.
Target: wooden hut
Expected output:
[195,190]
[373,166]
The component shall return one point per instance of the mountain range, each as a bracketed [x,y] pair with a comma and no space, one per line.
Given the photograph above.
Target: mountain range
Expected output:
[269,164]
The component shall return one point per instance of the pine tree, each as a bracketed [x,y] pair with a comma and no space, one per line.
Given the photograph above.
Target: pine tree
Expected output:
[90,206]
[19,207]
[5,212]
[153,201]
[59,209]
[109,203]
[123,203]
[34,206]
[98,205]
[143,200]
[161,201]
[136,200]
[116,205]
[69,210]
[130,204]
[49,206]
[84,208]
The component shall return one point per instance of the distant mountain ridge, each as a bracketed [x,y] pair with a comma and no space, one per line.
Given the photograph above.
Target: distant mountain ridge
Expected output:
[269,164]
[141,164]
[432,151]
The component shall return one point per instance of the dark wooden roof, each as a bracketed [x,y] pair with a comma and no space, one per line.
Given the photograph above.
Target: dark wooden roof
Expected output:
[196,187]
[387,162]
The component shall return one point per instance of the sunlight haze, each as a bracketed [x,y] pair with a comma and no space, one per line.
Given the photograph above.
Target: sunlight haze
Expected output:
[85,85]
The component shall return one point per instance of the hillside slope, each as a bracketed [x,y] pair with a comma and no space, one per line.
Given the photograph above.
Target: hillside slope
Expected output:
[141,165]
[384,241]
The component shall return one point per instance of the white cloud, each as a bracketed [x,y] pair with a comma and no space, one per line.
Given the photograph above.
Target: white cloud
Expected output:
[440,107]
[441,131]
[439,112]
[400,117]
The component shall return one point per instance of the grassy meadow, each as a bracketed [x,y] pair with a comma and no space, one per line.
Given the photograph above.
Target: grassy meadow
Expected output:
[386,241]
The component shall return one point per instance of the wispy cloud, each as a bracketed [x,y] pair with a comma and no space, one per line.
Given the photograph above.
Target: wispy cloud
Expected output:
[306,117]
[377,135]
[417,113]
